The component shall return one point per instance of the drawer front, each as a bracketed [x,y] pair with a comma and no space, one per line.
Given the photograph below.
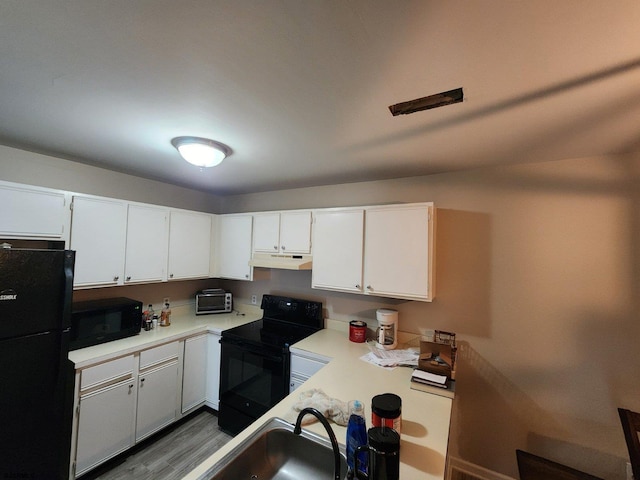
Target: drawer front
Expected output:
[159,354]
[305,366]
[105,373]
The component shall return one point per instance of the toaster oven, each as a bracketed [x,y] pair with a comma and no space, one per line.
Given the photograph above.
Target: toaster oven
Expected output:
[213,300]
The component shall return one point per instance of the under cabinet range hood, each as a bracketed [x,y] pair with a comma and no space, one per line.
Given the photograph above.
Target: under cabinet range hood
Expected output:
[284,262]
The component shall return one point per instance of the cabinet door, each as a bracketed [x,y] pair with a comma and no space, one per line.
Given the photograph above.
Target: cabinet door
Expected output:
[157,399]
[31,212]
[234,248]
[295,232]
[147,244]
[398,251]
[266,232]
[189,245]
[105,424]
[194,372]
[296,381]
[98,235]
[213,370]
[302,368]
[337,249]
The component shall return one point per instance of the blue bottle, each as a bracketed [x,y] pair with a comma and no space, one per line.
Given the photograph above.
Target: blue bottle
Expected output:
[356,436]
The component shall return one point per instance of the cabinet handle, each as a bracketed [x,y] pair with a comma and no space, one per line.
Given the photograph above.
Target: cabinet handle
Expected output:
[171,275]
[115,279]
[275,247]
[369,287]
[141,382]
[283,248]
[130,388]
[246,275]
[357,286]
[128,279]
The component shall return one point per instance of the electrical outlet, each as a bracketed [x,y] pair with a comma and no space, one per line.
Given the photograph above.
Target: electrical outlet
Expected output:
[254,299]
[166,300]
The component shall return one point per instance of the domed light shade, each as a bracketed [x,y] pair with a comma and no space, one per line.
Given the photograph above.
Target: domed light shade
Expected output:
[201,152]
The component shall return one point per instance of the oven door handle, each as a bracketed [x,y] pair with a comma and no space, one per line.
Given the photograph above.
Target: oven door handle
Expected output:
[252,349]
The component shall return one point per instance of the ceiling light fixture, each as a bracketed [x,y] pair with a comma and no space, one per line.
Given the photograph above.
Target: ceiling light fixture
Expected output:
[201,152]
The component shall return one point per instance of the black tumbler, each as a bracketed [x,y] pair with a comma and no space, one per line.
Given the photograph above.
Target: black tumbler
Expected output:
[384,455]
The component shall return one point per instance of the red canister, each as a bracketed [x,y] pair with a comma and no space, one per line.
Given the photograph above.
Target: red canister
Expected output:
[386,411]
[357,331]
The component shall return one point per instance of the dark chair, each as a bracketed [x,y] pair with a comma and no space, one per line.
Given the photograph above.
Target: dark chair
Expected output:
[631,427]
[532,467]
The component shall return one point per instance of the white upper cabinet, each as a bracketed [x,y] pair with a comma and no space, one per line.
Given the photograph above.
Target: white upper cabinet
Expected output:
[189,244]
[98,235]
[147,243]
[266,232]
[337,249]
[399,246]
[33,212]
[385,251]
[234,247]
[286,232]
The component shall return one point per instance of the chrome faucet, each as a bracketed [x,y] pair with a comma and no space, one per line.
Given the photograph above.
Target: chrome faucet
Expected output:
[327,427]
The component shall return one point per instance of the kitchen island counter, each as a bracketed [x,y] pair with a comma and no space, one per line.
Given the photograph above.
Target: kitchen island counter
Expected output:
[425,417]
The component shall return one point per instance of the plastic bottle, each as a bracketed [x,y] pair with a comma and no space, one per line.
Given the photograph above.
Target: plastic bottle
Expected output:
[165,316]
[145,315]
[150,312]
[356,436]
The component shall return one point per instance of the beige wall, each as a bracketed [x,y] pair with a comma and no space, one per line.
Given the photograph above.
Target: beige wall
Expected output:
[538,271]
[46,171]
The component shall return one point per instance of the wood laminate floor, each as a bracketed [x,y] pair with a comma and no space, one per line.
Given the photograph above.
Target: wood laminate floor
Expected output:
[169,456]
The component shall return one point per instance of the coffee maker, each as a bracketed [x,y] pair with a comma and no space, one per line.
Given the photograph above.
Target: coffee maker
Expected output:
[387,332]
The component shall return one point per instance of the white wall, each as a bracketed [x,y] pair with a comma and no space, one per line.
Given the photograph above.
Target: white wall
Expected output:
[538,271]
[46,171]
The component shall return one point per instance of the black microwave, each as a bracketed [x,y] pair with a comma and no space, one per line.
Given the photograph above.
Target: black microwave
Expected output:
[100,321]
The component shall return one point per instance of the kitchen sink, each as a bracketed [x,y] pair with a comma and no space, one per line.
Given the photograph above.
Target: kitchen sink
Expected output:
[273,451]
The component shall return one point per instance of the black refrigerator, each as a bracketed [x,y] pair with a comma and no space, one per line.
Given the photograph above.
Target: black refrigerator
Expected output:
[36,377]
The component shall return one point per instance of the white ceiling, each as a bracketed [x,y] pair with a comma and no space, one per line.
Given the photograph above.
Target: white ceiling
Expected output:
[300,89]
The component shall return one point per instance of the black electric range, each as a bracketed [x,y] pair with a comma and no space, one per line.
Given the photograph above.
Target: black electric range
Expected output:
[255,359]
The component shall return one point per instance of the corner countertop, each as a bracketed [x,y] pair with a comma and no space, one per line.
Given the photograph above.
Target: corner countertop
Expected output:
[425,417]
[184,323]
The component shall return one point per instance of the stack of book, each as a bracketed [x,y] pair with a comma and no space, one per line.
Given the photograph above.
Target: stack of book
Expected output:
[432,383]
[436,370]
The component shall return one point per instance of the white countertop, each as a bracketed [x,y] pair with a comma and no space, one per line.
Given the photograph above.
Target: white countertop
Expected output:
[184,322]
[425,417]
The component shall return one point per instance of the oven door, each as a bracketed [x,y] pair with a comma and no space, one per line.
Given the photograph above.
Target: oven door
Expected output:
[252,380]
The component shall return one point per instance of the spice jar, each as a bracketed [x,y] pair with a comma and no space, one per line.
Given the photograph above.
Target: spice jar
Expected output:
[386,411]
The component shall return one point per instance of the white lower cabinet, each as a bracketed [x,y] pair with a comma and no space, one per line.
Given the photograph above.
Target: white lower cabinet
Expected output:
[104,425]
[106,412]
[214,351]
[123,401]
[194,372]
[157,393]
[303,366]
